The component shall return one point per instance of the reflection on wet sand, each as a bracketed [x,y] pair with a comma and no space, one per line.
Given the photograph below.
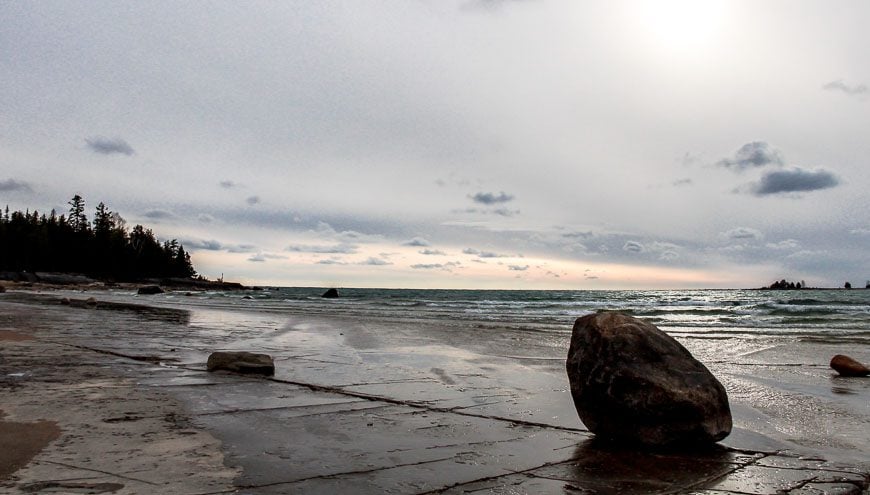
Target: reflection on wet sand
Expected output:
[604,468]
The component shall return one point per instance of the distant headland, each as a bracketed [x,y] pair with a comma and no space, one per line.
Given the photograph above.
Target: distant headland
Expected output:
[70,249]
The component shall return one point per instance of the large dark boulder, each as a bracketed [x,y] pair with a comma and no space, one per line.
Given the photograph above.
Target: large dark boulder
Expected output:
[330,293]
[633,383]
[241,362]
[150,289]
[846,366]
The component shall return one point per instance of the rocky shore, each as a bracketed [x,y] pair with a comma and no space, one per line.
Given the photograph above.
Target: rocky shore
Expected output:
[117,399]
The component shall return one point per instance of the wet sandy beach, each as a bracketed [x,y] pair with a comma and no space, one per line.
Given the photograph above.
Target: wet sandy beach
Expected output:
[380,407]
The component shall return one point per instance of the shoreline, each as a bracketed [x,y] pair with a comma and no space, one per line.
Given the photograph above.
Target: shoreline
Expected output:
[355,403]
[110,435]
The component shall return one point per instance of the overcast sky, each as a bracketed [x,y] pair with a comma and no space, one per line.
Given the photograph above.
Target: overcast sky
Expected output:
[455,143]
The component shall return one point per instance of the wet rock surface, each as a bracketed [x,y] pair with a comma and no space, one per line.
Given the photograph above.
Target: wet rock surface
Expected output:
[367,418]
[633,383]
[846,366]
[330,293]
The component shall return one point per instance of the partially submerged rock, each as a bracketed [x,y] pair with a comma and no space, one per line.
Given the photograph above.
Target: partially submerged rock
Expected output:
[331,293]
[241,362]
[633,383]
[150,289]
[91,301]
[846,366]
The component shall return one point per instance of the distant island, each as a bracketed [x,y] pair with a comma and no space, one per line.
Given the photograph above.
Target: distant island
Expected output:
[786,285]
[31,242]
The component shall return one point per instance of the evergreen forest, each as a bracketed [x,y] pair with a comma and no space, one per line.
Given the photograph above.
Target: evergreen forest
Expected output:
[104,248]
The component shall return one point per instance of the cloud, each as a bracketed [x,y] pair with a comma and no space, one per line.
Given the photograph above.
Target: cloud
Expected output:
[261,257]
[417,242]
[207,245]
[375,262]
[743,233]
[324,229]
[505,212]
[518,268]
[794,180]
[669,255]
[486,5]
[341,248]
[252,200]
[752,155]
[786,244]
[633,247]
[205,218]
[241,248]
[840,85]
[158,214]
[485,254]
[331,261]
[578,235]
[10,185]
[860,231]
[682,182]
[667,251]
[427,266]
[228,184]
[107,146]
[491,198]
[432,252]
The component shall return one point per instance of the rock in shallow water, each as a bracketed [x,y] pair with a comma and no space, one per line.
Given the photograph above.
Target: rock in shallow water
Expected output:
[241,362]
[846,366]
[150,289]
[330,293]
[633,383]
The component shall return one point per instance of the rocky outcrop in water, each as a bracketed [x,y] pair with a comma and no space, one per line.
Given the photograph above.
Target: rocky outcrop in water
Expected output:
[633,383]
[330,294]
[846,366]
[149,290]
[241,362]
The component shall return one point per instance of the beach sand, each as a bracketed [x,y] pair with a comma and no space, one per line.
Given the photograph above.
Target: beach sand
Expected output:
[375,407]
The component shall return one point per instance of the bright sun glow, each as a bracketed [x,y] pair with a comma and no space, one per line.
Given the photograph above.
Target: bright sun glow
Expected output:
[681,25]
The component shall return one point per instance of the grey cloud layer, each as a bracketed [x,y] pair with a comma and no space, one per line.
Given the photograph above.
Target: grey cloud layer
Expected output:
[12,185]
[417,242]
[794,180]
[759,154]
[488,198]
[109,146]
[341,248]
[852,90]
[751,155]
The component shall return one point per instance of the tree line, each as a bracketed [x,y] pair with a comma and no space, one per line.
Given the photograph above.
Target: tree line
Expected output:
[104,248]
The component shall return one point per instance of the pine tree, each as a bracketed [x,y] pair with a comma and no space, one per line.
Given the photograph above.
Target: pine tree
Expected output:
[77,218]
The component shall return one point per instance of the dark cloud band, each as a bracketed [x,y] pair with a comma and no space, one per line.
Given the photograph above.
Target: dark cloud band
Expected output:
[109,146]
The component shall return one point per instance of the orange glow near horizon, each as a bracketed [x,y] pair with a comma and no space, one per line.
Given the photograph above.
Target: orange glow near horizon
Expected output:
[455,271]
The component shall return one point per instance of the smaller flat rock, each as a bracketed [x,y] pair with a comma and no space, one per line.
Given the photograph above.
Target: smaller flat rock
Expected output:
[241,362]
[846,366]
